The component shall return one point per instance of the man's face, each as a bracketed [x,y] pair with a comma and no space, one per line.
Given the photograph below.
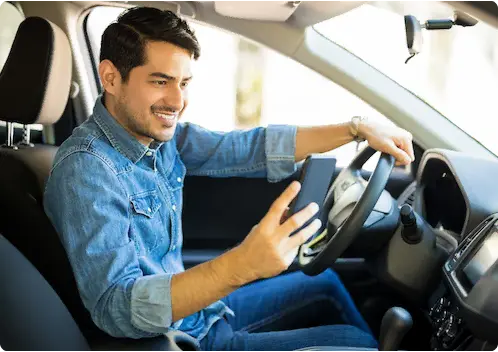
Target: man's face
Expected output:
[150,103]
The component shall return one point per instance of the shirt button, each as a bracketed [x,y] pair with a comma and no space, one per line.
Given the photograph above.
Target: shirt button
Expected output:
[149,210]
[179,179]
[149,153]
[173,207]
[174,247]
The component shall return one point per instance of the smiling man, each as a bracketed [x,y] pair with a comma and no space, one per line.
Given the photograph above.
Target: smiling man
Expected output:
[115,198]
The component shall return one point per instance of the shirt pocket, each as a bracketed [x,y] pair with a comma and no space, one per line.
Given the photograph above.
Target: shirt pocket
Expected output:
[147,222]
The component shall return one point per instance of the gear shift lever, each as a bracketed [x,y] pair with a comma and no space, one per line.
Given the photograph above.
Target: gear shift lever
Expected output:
[395,324]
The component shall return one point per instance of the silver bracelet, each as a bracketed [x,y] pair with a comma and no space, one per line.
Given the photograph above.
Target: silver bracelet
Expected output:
[354,127]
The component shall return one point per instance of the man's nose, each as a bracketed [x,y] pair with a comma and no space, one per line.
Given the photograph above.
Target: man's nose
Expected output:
[174,98]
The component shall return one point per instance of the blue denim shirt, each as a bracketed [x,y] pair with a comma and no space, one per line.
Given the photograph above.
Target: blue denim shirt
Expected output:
[117,206]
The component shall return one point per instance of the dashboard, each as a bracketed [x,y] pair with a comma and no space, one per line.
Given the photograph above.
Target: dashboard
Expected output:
[457,196]
[467,305]
[455,191]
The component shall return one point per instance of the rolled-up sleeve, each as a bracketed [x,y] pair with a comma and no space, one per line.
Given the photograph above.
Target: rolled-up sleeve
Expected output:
[88,207]
[258,152]
[149,308]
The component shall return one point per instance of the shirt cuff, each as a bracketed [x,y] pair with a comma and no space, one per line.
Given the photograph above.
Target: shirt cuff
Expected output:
[151,308]
[280,148]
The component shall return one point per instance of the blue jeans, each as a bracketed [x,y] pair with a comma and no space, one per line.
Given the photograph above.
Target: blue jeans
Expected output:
[289,312]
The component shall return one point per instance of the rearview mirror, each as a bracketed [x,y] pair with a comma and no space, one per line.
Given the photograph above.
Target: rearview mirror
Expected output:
[413,28]
[414,39]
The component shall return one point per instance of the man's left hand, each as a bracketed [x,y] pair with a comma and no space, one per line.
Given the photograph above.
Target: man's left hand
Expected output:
[388,139]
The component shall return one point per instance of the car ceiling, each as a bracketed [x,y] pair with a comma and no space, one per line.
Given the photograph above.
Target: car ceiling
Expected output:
[300,14]
[306,13]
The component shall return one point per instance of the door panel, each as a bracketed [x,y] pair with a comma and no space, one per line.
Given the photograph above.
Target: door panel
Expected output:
[219,212]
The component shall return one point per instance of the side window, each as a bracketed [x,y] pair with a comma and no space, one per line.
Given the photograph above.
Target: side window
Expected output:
[10,19]
[241,85]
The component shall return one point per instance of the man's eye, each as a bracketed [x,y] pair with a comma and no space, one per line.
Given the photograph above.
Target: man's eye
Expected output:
[160,83]
[184,84]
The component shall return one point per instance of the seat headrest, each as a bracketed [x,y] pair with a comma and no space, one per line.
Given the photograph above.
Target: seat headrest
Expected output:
[36,78]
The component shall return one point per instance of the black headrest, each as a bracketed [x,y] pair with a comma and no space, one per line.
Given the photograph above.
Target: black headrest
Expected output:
[35,80]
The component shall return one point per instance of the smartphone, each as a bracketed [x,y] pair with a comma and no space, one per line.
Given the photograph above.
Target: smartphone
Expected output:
[316,177]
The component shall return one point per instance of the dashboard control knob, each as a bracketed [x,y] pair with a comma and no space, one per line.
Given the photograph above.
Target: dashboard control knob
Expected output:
[410,231]
[407,215]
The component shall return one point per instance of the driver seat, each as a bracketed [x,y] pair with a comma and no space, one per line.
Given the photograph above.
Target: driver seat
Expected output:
[32,258]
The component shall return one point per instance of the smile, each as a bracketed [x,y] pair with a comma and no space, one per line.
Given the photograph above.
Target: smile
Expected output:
[167,117]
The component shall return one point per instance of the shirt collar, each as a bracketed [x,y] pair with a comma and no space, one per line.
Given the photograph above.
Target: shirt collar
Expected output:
[118,136]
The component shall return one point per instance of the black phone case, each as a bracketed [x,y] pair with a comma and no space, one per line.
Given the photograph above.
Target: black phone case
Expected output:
[316,176]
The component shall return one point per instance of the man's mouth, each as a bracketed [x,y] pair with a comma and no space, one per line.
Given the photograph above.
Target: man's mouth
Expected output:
[166,117]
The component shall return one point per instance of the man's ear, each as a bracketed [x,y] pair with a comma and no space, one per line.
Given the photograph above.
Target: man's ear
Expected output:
[110,77]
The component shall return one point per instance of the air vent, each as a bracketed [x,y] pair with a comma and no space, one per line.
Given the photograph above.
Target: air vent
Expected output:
[408,195]
[411,198]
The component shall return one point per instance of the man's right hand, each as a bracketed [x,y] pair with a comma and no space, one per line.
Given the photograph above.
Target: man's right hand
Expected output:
[269,249]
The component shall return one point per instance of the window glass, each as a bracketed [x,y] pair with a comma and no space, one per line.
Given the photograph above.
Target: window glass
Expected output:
[456,72]
[10,19]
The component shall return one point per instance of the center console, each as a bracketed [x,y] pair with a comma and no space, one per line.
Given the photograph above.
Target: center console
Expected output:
[468,303]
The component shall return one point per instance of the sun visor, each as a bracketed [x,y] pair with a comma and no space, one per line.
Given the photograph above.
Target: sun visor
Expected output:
[278,11]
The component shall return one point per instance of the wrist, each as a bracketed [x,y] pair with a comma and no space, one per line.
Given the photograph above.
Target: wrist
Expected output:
[240,273]
[358,128]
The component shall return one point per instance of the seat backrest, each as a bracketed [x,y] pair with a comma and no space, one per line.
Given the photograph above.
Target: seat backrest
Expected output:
[40,55]
[32,317]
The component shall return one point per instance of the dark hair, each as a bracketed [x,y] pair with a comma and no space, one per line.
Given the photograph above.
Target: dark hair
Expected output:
[124,41]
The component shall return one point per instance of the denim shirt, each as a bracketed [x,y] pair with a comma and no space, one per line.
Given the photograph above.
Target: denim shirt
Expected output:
[116,205]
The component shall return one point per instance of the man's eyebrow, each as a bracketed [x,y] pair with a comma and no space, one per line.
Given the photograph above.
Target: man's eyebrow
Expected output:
[162,75]
[167,77]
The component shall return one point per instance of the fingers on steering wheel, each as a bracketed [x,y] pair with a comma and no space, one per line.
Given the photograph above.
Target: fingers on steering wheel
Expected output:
[396,150]
[408,146]
[405,147]
[304,235]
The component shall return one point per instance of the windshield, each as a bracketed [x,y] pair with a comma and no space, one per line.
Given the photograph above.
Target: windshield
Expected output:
[456,72]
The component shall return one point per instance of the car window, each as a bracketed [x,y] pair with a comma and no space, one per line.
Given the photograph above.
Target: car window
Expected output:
[10,19]
[456,72]
[241,85]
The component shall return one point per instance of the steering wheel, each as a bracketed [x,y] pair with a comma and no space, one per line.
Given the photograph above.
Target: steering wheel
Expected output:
[347,205]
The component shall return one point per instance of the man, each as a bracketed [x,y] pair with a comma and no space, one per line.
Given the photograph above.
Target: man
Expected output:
[115,198]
